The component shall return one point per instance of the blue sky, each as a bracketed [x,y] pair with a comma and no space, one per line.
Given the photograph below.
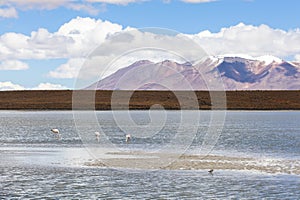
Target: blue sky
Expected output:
[278,21]
[177,15]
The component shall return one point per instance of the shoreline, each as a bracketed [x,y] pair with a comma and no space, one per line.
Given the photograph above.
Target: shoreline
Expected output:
[139,160]
[144,100]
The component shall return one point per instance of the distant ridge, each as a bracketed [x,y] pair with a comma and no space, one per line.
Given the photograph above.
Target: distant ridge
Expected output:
[238,72]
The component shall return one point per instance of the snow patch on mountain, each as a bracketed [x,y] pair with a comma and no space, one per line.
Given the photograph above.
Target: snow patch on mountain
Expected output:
[268,59]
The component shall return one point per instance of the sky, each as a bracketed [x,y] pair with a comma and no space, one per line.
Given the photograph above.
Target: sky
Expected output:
[43,44]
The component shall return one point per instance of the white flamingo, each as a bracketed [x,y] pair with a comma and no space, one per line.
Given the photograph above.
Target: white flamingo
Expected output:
[97,134]
[128,138]
[56,132]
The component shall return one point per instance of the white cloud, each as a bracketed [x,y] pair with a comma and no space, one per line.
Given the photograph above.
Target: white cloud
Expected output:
[10,86]
[40,45]
[8,12]
[86,7]
[49,86]
[10,7]
[252,40]
[67,70]
[197,1]
[13,65]
[73,39]
[87,34]
[31,4]
[78,37]
[77,5]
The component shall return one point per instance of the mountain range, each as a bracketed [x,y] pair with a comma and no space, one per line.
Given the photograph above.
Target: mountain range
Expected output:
[229,72]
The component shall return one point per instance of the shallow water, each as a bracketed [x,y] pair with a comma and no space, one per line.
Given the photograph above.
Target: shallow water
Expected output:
[34,164]
[106,183]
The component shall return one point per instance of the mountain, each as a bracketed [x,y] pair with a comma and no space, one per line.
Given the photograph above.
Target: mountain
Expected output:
[238,72]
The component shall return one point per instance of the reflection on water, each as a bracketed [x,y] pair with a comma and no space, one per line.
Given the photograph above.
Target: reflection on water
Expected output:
[257,156]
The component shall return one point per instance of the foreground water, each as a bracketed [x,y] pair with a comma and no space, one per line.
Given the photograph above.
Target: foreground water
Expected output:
[256,156]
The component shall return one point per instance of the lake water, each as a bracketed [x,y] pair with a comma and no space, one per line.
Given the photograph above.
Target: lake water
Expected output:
[257,155]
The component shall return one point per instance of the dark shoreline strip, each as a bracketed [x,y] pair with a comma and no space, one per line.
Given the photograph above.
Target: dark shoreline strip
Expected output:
[143,100]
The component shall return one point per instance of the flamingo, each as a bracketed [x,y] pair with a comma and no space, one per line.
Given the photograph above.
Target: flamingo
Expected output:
[97,134]
[128,138]
[56,132]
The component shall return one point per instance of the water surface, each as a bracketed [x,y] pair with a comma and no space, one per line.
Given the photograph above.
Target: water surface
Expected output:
[35,164]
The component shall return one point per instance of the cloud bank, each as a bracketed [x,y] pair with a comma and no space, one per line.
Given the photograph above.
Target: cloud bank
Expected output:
[252,40]
[73,39]
[77,38]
